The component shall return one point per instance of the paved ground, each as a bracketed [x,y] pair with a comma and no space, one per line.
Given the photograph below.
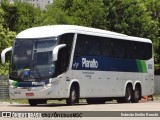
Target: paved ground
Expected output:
[146,106]
[142,106]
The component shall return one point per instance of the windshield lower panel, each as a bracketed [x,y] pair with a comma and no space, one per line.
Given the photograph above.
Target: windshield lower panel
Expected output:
[32,59]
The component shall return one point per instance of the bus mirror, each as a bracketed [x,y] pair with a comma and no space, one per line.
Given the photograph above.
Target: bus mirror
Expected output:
[4,53]
[55,51]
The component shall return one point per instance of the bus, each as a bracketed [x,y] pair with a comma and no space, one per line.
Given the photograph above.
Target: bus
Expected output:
[72,62]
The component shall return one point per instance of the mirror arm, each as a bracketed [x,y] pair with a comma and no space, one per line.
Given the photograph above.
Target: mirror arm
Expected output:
[55,51]
[4,53]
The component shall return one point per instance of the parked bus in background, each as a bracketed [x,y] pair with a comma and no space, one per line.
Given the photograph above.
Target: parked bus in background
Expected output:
[73,62]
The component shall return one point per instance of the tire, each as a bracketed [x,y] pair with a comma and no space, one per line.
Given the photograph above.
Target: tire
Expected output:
[136,95]
[32,102]
[95,101]
[73,97]
[128,96]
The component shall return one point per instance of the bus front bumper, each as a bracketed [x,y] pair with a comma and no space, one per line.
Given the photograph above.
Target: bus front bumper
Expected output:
[33,93]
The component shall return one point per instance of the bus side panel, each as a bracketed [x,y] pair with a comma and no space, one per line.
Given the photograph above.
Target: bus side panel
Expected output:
[100,83]
[148,79]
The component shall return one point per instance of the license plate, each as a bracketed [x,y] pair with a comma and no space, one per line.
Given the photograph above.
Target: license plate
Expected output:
[29,94]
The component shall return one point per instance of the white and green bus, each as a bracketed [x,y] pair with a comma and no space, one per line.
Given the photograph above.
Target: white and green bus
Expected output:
[74,62]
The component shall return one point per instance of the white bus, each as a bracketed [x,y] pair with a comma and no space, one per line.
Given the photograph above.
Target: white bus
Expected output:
[73,62]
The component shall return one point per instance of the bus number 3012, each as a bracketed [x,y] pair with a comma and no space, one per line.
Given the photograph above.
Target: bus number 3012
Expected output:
[150,66]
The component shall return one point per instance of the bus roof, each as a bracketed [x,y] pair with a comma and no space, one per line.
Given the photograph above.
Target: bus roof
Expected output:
[56,30]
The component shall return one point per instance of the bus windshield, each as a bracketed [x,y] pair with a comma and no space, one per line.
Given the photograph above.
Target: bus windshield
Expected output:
[32,59]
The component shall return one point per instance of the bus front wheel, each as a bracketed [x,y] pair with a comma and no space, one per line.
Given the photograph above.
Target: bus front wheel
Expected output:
[72,97]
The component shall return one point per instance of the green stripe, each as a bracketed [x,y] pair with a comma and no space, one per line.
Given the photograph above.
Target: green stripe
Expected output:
[144,68]
[141,64]
[15,83]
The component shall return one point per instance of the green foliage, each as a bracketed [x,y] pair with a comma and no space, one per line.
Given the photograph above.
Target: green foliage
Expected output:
[4,69]
[130,17]
[1,16]
[79,12]
[20,16]
[6,40]
[54,15]
[87,13]
[153,6]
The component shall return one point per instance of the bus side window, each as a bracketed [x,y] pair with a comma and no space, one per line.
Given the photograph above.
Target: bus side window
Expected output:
[148,51]
[64,53]
[82,45]
[118,48]
[111,46]
[62,61]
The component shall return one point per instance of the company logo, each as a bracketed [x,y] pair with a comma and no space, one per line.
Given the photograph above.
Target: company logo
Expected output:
[75,65]
[6,114]
[26,73]
[38,83]
[89,63]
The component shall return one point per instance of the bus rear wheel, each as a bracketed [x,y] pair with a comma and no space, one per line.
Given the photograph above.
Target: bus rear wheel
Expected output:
[73,97]
[136,95]
[128,96]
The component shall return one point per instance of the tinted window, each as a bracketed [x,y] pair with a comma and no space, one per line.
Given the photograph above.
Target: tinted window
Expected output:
[64,53]
[90,45]
[148,51]
[111,47]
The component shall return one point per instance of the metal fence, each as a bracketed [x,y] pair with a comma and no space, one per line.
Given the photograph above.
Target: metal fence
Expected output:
[157,84]
[4,91]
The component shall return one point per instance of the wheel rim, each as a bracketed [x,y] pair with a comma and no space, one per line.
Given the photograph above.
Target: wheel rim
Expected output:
[136,94]
[73,95]
[129,94]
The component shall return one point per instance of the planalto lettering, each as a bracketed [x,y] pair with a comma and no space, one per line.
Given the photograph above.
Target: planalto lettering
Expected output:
[38,83]
[89,63]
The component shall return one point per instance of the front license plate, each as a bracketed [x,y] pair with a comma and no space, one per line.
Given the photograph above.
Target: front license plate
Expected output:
[29,94]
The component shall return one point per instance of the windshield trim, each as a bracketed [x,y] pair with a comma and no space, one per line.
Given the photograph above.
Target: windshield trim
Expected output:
[56,38]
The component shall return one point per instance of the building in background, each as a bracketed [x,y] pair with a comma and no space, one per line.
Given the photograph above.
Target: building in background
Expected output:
[37,3]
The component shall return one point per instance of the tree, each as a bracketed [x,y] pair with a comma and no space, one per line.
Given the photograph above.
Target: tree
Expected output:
[6,40]
[29,16]
[130,17]
[80,12]
[55,15]
[20,16]
[153,6]
[10,15]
